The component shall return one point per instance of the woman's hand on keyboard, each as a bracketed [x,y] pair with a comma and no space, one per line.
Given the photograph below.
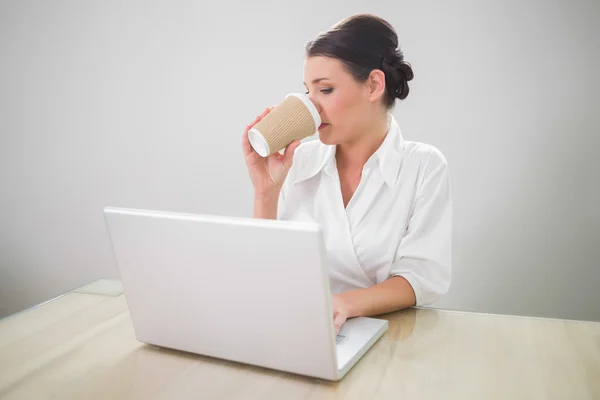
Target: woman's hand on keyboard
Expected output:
[340,312]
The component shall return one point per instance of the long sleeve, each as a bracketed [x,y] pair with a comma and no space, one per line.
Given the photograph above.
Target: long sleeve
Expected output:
[423,257]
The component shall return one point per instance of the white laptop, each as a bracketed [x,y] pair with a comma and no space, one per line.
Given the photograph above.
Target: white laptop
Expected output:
[248,290]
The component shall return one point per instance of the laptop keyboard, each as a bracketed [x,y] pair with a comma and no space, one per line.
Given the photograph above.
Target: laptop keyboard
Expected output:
[339,338]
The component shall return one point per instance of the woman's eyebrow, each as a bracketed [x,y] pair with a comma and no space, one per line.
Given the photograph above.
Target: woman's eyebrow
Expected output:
[318,80]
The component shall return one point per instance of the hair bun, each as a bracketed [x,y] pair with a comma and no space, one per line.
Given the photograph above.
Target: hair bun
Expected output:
[398,73]
[406,75]
[405,69]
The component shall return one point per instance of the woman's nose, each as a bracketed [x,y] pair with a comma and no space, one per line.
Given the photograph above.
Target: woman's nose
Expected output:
[316,103]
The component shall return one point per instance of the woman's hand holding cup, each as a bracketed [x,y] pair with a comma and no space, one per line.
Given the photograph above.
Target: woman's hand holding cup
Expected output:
[267,173]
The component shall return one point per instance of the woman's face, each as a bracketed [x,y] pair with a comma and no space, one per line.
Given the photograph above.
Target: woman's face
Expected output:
[345,105]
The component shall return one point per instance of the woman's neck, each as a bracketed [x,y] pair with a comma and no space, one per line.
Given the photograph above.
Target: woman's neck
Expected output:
[354,154]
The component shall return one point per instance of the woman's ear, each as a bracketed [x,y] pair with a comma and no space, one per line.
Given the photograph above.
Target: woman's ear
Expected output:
[376,85]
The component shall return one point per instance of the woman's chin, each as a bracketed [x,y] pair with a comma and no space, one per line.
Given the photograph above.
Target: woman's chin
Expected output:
[326,139]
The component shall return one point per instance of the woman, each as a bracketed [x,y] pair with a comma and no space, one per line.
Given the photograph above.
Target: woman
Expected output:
[384,203]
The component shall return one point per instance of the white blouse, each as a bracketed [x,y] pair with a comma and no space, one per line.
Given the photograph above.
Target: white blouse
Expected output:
[398,222]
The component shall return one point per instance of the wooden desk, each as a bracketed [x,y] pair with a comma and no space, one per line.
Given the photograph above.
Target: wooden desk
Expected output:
[82,346]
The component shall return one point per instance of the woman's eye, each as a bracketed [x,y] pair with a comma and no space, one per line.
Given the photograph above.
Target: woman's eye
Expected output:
[324,91]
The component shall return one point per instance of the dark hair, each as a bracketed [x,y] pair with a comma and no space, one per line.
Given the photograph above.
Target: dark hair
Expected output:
[365,42]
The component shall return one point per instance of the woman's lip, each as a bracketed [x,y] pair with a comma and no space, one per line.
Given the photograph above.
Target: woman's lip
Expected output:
[323,125]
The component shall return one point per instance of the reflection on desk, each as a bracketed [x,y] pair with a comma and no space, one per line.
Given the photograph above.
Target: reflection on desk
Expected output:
[82,345]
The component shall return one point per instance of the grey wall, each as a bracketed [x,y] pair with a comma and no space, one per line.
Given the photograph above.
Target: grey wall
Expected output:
[142,104]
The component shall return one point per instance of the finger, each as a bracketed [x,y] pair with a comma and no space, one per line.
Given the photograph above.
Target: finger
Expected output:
[258,118]
[251,156]
[246,146]
[265,112]
[245,142]
[288,154]
[338,321]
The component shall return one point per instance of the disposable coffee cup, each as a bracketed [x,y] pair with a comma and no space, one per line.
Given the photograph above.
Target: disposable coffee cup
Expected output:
[295,118]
